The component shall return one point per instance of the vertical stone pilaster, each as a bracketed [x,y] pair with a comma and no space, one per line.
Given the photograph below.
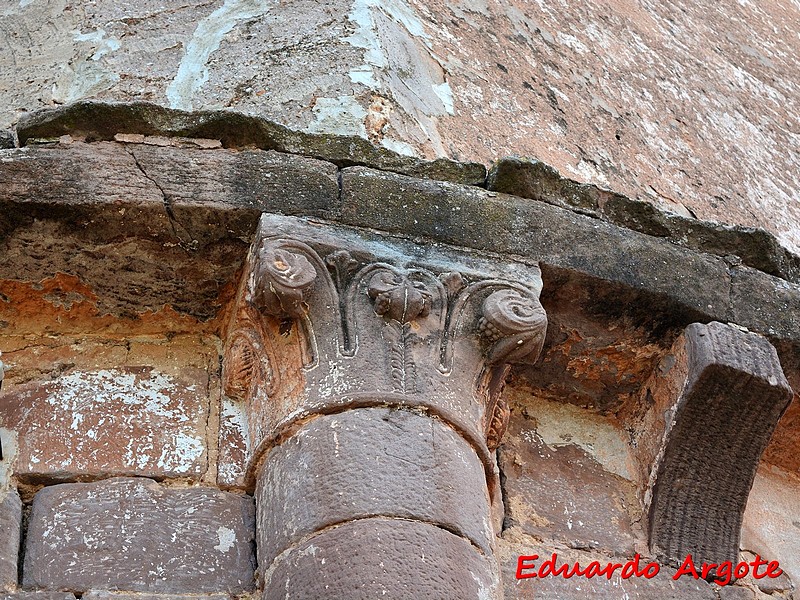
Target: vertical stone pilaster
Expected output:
[370,373]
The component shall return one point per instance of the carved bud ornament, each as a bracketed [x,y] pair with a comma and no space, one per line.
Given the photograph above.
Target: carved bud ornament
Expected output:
[399,298]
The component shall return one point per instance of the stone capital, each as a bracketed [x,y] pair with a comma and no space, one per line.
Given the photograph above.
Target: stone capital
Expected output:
[329,318]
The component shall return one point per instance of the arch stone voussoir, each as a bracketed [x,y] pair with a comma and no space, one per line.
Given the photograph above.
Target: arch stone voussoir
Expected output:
[715,402]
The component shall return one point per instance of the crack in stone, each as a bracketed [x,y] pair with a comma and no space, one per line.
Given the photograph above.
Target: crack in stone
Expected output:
[186,242]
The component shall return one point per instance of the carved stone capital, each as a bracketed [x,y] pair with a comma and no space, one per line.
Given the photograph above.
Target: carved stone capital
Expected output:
[329,318]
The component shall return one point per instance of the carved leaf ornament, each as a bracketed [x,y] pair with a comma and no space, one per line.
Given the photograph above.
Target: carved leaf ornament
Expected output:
[516,323]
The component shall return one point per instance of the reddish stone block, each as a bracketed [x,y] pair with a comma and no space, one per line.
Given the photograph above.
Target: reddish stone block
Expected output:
[124,421]
[234,443]
[371,462]
[38,596]
[108,595]
[661,586]
[136,535]
[563,493]
[383,558]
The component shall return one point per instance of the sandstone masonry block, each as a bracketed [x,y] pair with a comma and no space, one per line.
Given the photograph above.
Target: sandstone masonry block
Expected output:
[125,421]
[10,523]
[109,595]
[659,587]
[234,443]
[563,493]
[729,592]
[476,218]
[136,535]
[370,462]
[383,558]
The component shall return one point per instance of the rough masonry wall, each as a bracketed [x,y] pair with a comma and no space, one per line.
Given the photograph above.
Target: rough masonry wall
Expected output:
[89,318]
[692,106]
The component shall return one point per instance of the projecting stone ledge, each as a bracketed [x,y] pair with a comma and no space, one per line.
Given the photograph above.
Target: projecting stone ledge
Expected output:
[136,535]
[533,179]
[103,120]
[188,256]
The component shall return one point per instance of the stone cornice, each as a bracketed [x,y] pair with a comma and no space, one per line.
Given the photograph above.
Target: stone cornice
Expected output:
[527,178]
[190,200]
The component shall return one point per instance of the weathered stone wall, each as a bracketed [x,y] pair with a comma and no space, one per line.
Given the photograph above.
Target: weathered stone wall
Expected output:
[691,106]
[114,427]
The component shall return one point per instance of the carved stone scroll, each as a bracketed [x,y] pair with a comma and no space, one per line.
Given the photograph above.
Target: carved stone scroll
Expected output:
[515,323]
[282,278]
[720,400]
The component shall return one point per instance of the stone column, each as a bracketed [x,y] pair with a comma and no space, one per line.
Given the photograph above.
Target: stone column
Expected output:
[370,372]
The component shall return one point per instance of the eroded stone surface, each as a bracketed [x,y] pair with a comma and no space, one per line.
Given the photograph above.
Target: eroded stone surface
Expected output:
[736,593]
[494,222]
[557,489]
[771,523]
[536,180]
[115,421]
[370,462]
[10,525]
[133,534]
[23,595]
[108,595]
[382,558]
[234,444]
[648,99]
[129,122]
[725,405]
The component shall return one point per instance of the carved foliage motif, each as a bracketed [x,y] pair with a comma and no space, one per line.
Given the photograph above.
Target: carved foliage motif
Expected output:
[246,365]
[402,301]
[420,315]
[515,324]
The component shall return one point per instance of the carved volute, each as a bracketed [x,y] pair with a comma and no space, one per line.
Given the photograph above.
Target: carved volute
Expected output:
[329,319]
